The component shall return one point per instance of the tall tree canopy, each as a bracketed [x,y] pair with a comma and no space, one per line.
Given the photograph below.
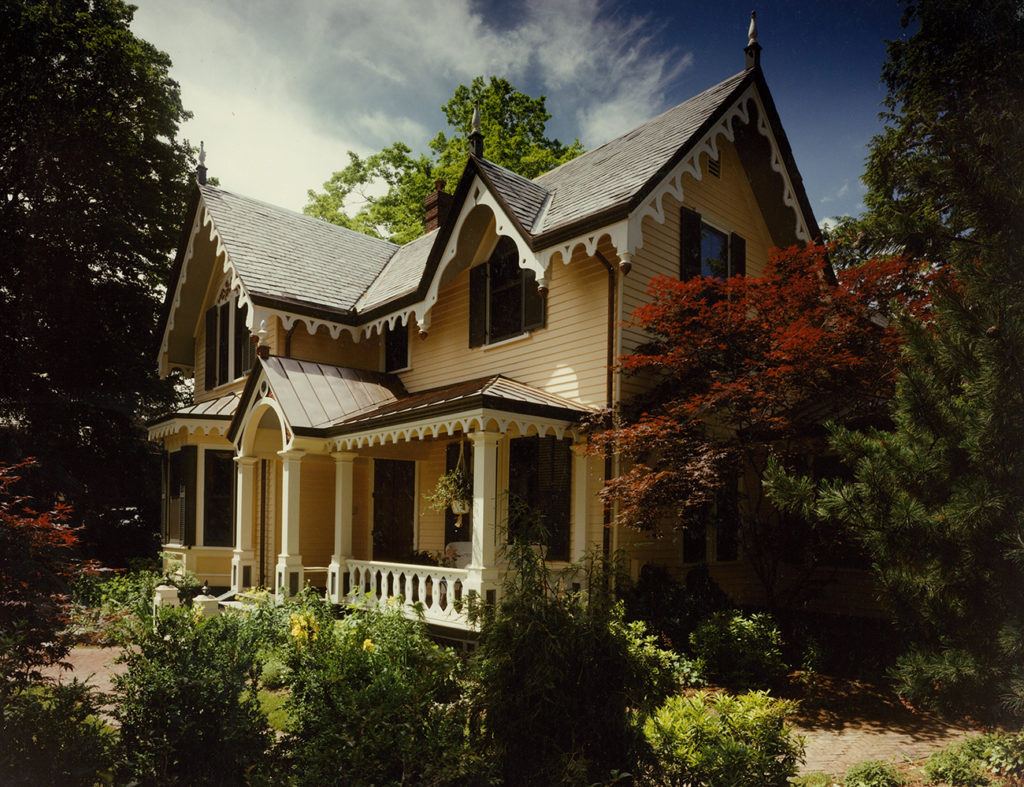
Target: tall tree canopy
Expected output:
[513,126]
[939,499]
[92,190]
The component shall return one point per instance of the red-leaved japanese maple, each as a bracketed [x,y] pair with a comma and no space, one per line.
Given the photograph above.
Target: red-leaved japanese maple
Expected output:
[740,368]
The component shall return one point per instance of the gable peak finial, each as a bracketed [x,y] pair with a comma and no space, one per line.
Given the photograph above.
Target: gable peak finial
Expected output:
[476,137]
[201,169]
[753,48]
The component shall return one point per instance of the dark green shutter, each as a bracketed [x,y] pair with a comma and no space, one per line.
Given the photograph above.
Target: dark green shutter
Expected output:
[242,362]
[211,348]
[188,506]
[737,255]
[223,339]
[689,244]
[478,305]
[533,303]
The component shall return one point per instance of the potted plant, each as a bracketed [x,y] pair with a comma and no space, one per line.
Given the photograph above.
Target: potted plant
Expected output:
[453,491]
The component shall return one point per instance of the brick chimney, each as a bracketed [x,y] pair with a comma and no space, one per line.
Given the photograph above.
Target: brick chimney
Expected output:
[436,206]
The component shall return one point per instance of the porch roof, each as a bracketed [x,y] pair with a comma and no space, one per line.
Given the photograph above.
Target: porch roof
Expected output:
[212,413]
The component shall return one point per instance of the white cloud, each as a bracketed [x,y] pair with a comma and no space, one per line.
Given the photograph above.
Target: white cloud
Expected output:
[838,194]
[281,90]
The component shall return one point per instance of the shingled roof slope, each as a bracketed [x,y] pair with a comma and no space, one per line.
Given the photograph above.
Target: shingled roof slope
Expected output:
[287,255]
[612,173]
[400,275]
[524,197]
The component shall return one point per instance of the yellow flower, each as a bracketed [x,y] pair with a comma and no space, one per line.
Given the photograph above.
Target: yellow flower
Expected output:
[304,626]
[368,645]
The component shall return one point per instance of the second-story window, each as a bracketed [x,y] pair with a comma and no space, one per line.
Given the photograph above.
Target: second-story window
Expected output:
[228,352]
[396,348]
[504,300]
[705,250]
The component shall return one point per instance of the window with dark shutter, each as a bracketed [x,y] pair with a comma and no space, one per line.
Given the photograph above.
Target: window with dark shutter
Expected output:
[540,477]
[244,351]
[210,356]
[714,252]
[218,482]
[737,255]
[453,531]
[504,299]
[223,343]
[175,497]
[689,244]
[396,348]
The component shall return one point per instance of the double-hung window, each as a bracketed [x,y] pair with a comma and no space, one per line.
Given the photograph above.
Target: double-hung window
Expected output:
[708,251]
[229,353]
[504,299]
[396,348]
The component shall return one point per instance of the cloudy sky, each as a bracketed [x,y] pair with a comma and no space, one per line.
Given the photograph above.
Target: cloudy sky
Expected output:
[281,89]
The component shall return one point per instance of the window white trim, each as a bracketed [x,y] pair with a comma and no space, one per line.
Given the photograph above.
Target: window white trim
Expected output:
[519,337]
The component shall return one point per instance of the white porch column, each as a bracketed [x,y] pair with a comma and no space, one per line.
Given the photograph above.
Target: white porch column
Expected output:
[243,558]
[580,499]
[289,561]
[344,498]
[483,569]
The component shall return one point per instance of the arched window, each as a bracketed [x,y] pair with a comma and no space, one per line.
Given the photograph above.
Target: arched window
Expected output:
[504,300]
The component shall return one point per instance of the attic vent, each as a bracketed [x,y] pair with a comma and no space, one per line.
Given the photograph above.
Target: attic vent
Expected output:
[715,167]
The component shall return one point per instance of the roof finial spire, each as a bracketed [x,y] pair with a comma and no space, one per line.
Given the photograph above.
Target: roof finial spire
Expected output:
[201,169]
[753,49]
[476,137]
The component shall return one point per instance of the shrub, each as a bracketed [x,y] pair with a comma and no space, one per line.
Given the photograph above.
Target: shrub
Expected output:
[372,701]
[947,680]
[51,735]
[740,651]
[873,773]
[672,609]
[716,738]
[274,673]
[959,765]
[561,677]
[1004,754]
[188,705]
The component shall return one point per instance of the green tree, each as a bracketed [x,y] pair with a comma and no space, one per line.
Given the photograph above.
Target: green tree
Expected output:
[513,126]
[92,190]
[939,499]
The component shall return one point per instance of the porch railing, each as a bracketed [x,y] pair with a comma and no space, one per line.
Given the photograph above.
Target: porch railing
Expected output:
[441,593]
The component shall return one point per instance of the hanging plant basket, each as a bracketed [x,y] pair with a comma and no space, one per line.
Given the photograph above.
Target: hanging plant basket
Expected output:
[452,490]
[460,507]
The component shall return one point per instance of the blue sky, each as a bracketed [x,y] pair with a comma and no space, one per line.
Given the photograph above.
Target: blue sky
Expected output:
[280,91]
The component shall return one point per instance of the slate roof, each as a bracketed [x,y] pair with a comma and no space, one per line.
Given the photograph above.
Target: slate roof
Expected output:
[612,173]
[290,256]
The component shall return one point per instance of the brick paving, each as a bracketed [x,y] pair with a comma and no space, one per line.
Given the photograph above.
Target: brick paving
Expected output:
[92,665]
[846,722]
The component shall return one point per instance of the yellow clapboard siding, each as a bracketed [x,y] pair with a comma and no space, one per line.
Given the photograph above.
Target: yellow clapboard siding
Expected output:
[316,510]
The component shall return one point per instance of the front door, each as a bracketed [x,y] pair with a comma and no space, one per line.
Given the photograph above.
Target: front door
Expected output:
[394,505]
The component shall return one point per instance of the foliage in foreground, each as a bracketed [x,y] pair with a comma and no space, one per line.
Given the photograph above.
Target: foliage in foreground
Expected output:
[51,735]
[741,651]
[979,761]
[187,705]
[717,738]
[561,678]
[373,701]
[873,773]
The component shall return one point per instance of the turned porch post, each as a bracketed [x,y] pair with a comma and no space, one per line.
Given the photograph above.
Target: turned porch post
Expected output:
[482,567]
[242,559]
[344,497]
[289,561]
[580,499]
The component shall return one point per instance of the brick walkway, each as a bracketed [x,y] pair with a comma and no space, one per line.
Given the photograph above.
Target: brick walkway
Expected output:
[846,722]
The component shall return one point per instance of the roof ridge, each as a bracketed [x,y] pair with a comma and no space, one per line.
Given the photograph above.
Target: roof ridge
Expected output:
[639,126]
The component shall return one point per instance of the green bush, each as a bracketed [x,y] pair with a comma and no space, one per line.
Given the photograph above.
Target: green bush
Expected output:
[1004,754]
[716,738]
[740,651]
[947,680]
[372,701]
[959,765]
[50,735]
[561,677]
[188,705]
[672,609]
[873,773]
[274,674]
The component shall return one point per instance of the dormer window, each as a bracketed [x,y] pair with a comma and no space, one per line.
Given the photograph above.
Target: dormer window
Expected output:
[229,353]
[504,300]
[705,250]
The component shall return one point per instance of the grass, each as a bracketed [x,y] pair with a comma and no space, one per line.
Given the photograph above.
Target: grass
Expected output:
[272,705]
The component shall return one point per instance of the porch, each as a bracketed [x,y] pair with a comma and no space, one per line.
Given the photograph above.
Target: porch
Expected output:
[343,507]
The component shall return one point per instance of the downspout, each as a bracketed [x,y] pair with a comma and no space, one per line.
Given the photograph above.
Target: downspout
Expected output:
[613,289]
